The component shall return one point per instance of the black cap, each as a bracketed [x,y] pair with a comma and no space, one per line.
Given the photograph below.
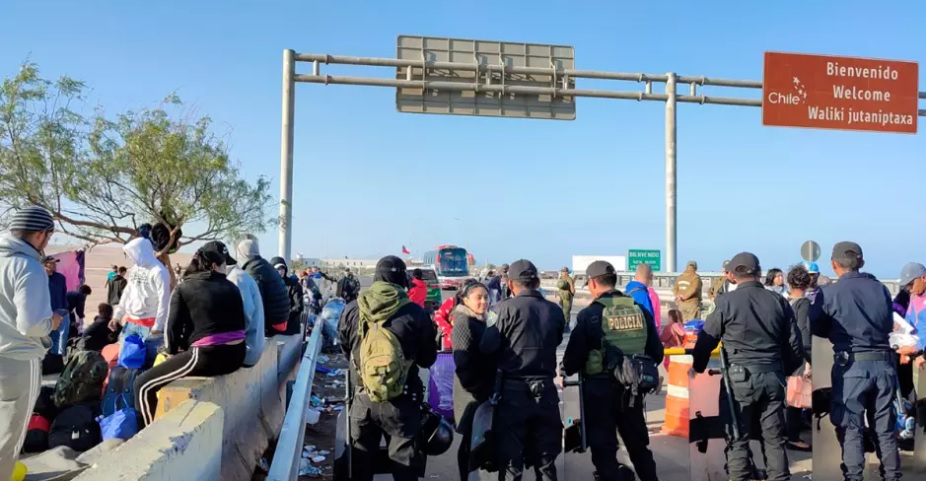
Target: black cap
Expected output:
[221,248]
[744,263]
[391,269]
[847,250]
[48,259]
[522,270]
[212,252]
[599,268]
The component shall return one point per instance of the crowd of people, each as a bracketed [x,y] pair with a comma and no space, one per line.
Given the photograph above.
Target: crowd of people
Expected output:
[214,317]
[210,319]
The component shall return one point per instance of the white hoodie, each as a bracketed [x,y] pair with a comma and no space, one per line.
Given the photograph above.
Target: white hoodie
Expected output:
[25,304]
[147,293]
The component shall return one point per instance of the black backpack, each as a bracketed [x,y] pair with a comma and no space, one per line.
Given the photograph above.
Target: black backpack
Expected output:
[76,427]
[43,414]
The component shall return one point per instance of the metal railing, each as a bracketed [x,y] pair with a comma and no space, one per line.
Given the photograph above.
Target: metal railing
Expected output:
[288,454]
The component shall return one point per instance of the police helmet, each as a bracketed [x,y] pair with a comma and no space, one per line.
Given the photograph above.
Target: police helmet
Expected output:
[436,431]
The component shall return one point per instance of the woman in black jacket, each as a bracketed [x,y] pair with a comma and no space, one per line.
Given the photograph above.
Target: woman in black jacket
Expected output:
[475,374]
[205,329]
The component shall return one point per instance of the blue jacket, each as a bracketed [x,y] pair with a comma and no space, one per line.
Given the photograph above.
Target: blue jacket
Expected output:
[856,314]
[640,293]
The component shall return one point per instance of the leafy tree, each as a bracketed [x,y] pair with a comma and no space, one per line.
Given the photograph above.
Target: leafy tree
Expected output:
[102,178]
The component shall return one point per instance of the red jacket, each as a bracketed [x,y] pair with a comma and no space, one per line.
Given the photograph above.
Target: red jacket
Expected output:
[445,323]
[418,292]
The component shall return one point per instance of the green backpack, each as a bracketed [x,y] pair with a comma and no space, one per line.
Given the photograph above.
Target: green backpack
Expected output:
[624,328]
[82,379]
[383,367]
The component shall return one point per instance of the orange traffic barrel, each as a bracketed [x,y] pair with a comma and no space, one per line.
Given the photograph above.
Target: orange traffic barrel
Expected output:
[676,422]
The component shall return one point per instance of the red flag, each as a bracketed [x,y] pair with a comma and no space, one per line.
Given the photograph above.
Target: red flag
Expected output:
[406,251]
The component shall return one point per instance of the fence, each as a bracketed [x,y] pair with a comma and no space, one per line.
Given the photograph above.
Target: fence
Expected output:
[288,455]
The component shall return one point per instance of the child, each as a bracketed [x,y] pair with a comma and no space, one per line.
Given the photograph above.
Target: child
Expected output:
[673,333]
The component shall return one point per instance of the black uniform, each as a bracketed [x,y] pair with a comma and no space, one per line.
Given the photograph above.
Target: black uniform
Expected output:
[763,345]
[398,419]
[856,314]
[606,412]
[524,340]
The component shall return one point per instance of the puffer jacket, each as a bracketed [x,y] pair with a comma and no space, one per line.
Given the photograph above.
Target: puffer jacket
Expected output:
[25,305]
[273,292]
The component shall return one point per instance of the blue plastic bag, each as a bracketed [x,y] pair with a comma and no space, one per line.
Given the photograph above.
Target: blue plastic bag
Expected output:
[694,326]
[122,424]
[133,352]
[440,391]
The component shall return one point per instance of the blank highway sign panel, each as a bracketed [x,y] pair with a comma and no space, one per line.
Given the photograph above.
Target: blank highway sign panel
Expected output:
[488,104]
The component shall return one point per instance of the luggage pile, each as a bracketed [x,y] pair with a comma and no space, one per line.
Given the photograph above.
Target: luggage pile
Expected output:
[92,401]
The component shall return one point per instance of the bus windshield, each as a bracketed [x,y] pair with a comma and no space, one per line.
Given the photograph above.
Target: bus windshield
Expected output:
[453,262]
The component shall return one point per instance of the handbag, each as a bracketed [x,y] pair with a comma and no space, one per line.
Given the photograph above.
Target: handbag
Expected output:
[800,392]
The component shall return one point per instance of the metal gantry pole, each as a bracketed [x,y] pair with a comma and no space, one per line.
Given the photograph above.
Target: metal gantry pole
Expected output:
[671,190]
[286,154]
[671,98]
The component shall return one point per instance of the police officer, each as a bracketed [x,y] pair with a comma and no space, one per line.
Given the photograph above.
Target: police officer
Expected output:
[607,407]
[567,290]
[856,315]
[399,419]
[523,341]
[687,291]
[762,344]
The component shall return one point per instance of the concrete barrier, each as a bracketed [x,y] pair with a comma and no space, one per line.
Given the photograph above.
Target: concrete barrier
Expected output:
[252,400]
[184,444]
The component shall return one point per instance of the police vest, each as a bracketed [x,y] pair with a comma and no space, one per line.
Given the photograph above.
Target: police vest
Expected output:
[623,327]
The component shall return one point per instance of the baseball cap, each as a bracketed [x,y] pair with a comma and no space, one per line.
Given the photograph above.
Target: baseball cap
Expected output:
[48,259]
[564,269]
[522,270]
[847,250]
[599,268]
[693,265]
[911,271]
[221,248]
[744,263]
[726,265]
[212,252]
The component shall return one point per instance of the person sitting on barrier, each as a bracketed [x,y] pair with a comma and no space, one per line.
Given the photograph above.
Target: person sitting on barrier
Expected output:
[254,339]
[273,292]
[205,329]
[386,340]
[475,373]
[762,343]
[613,322]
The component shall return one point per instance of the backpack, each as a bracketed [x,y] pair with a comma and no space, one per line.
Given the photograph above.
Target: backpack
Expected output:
[383,368]
[82,379]
[76,427]
[119,418]
[624,329]
[40,423]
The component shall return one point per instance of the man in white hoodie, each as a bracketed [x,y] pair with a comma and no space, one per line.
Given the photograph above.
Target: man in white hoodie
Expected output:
[142,309]
[26,320]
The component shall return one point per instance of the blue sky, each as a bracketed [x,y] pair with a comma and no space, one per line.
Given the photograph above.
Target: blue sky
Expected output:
[368,179]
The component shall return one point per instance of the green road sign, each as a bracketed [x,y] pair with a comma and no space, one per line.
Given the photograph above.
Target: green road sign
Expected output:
[644,256]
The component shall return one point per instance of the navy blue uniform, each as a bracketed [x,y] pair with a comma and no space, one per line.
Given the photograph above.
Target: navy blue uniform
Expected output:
[856,315]
[760,337]
[524,340]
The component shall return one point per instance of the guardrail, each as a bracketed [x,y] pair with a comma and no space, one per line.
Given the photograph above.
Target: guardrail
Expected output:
[288,454]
